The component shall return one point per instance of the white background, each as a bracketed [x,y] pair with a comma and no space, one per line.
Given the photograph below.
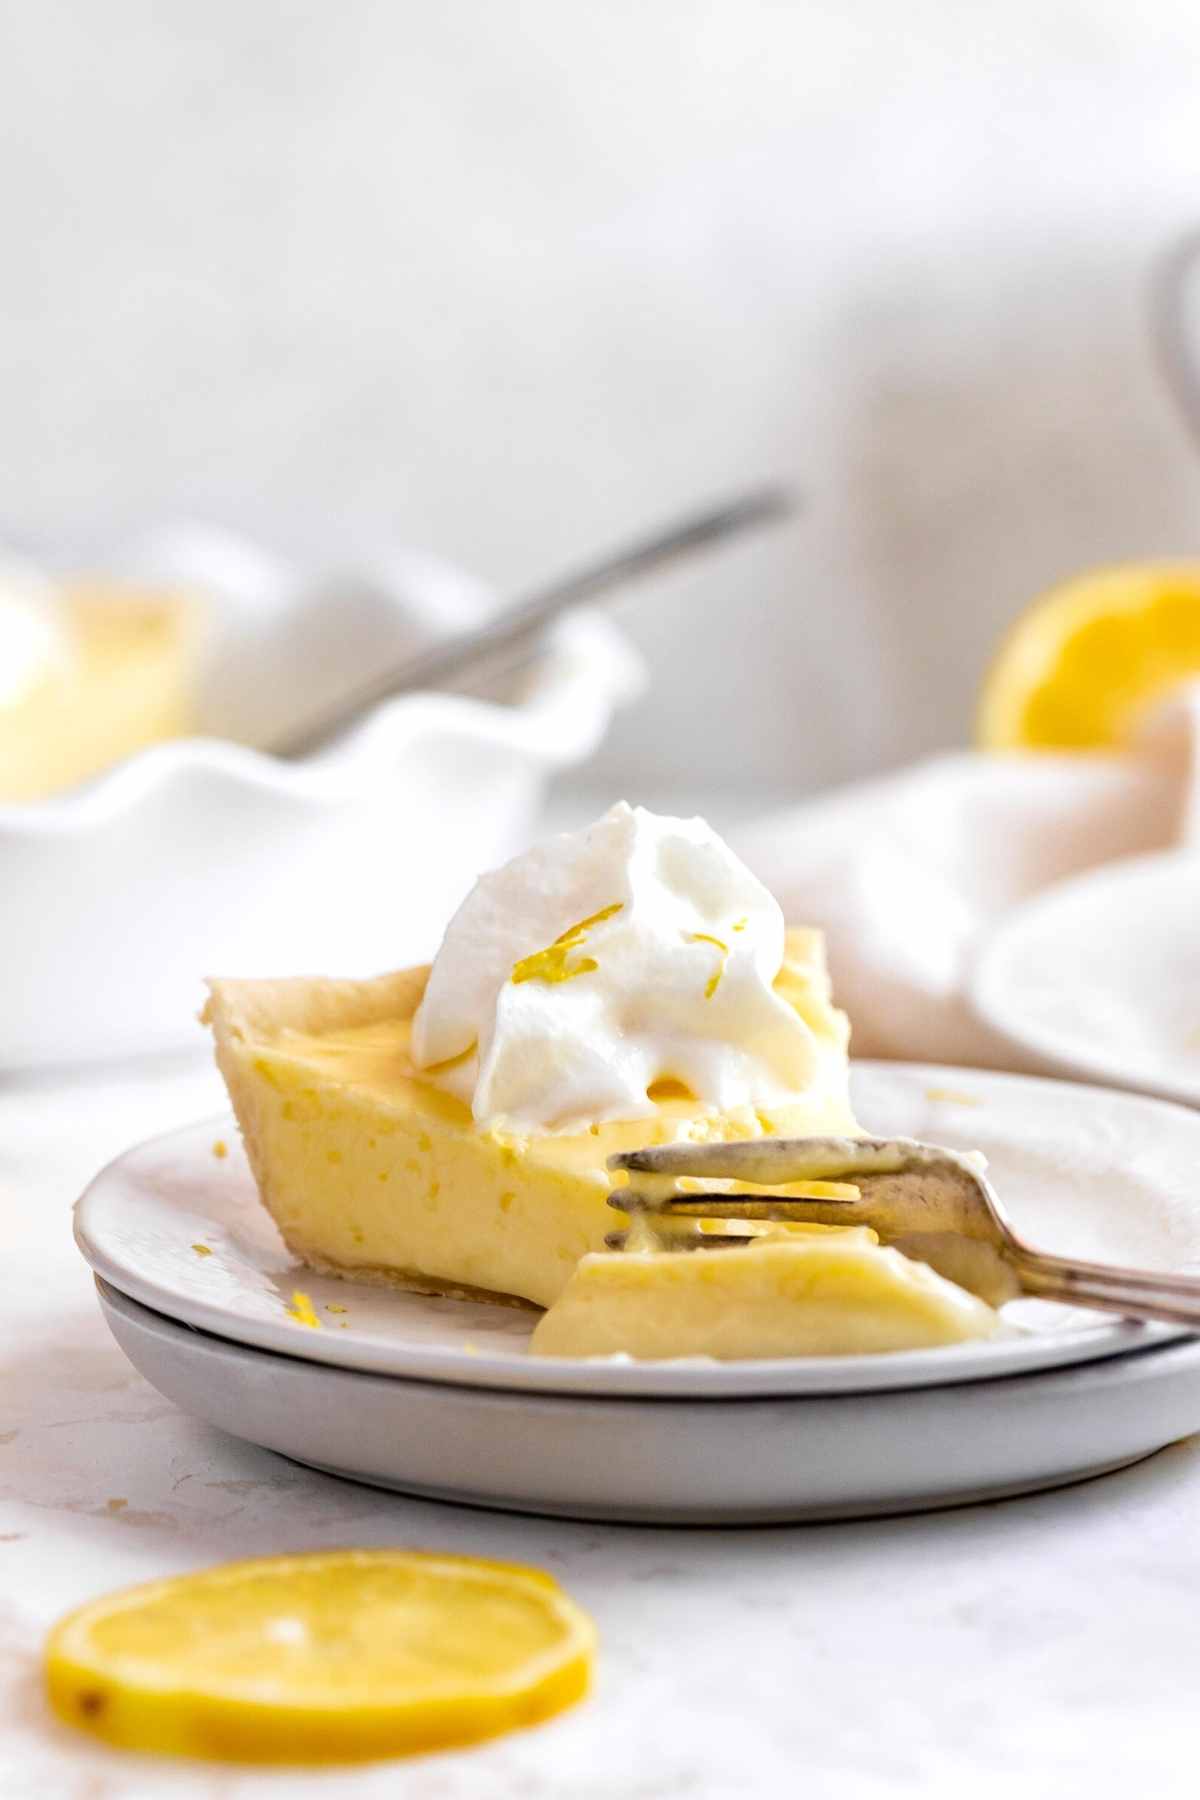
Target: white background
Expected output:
[513,280]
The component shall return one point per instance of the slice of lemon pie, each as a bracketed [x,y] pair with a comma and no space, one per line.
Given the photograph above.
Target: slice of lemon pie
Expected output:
[624,985]
[448,1128]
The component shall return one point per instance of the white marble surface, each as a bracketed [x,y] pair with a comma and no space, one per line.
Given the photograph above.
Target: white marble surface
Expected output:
[1038,1646]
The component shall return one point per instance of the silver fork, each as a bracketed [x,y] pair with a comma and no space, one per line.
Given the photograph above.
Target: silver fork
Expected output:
[935,1205]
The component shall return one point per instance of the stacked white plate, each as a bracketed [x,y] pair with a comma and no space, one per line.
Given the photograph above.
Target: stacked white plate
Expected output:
[1099,977]
[441,1398]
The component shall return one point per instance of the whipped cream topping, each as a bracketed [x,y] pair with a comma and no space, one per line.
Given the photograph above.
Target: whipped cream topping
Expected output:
[637,951]
[34,640]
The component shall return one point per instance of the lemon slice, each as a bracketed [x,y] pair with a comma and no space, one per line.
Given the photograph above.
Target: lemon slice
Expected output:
[1082,662]
[334,1656]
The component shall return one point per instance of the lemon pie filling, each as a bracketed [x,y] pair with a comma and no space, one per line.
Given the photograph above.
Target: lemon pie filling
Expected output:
[833,1293]
[372,1169]
[88,676]
[450,1128]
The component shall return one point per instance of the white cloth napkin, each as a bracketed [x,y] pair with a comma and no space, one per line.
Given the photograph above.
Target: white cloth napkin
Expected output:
[908,874]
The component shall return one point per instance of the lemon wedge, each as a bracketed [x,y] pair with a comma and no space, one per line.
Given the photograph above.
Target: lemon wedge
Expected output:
[1076,669]
[338,1655]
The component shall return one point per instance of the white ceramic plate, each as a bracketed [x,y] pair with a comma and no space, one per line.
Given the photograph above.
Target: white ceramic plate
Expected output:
[1102,1174]
[1100,976]
[680,1461]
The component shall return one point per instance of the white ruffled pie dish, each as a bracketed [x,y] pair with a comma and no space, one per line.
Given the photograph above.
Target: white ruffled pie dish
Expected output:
[206,855]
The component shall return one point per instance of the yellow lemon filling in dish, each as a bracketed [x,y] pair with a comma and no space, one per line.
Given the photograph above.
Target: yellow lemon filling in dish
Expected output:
[117,676]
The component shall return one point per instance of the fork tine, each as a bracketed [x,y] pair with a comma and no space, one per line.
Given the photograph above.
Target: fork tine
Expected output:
[934,1204]
[690,1240]
[803,1208]
[768,1161]
[904,1187]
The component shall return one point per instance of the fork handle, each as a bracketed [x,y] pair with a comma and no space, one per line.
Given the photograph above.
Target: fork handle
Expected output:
[1136,1293]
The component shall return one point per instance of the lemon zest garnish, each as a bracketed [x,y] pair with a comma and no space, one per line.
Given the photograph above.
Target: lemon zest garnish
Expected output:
[571,934]
[202,1249]
[668,1087]
[303,1311]
[220,1148]
[740,924]
[714,980]
[332,1306]
[551,964]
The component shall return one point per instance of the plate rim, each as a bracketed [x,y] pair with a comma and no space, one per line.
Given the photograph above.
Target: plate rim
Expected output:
[604,1378]
[545,1455]
[985,989]
[1176,1339]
